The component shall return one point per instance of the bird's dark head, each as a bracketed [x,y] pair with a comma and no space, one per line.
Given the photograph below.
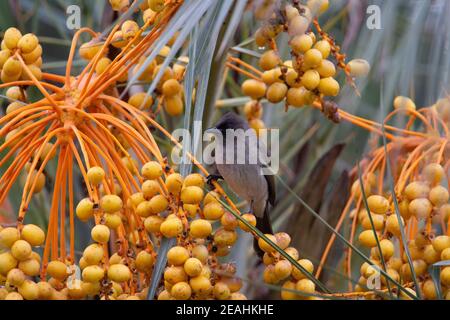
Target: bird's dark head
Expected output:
[231,120]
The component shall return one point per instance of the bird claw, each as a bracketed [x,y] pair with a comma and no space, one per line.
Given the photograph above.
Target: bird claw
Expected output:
[211,178]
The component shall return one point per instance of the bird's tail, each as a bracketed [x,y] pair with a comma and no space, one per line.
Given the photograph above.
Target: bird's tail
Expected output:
[262,224]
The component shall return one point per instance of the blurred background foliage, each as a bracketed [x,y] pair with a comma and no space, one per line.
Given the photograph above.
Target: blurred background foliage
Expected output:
[409,56]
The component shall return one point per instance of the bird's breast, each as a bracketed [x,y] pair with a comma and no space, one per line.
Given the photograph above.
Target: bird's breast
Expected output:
[245,180]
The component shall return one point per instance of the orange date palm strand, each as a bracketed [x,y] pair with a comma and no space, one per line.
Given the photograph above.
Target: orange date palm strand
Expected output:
[47,244]
[124,53]
[432,118]
[417,145]
[116,160]
[97,215]
[410,122]
[27,139]
[55,206]
[96,162]
[122,179]
[90,65]
[97,120]
[126,57]
[87,162]
[55,253]
[132,119]
[16,171]
[407,169]
[104,143]
[349,251]
[136,112]
[38,106]
[381,176]
[53,77]
[414,165]
[93,63]
[377,158]
[32,117]
[359,122]
[124,127]
[48,136]
[137,149]
[440,157]
[82,168]
[91,159]
[91,144]
[139,152]
[31,139]
[62,228]
[369,124]
[330,243]
[22,131]
[71,206]
[109,144]
[439,120]
[108,184]
[72,51]
[39,171]
[403,131]
[50,86]
[412,113]
[91,192]
[372,167]
[135,53]
[13,171]
[414,159]
[436,119]
[113,74]
[242,71]
[82,147]
[38,84]
[93,84]
[361,294]
[112,162]
[16,166]
[125,180]
[248,66]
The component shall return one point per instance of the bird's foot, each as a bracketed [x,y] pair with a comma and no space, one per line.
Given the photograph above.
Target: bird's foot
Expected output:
[211,178]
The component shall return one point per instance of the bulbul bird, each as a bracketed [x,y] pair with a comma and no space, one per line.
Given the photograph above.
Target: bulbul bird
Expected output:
[245,178]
